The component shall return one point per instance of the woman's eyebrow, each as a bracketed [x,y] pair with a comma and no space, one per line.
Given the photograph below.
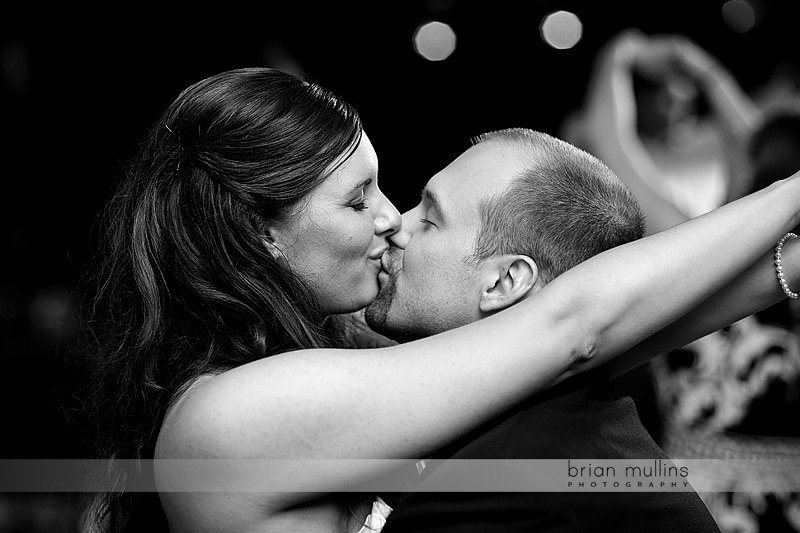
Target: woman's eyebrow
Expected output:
[361,184]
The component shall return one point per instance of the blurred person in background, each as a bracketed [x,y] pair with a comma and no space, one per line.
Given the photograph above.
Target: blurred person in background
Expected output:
[736,393]
[731,393]
[671,121]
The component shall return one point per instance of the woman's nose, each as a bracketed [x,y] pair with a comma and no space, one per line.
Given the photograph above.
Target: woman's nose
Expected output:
[388,220]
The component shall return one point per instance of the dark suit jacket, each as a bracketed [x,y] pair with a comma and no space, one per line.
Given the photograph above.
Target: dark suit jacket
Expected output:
[588,424]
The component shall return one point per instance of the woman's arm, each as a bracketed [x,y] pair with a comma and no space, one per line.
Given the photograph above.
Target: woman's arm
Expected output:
[407,400]
[753,290]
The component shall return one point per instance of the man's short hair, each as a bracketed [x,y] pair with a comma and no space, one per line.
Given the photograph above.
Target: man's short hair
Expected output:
[565,207]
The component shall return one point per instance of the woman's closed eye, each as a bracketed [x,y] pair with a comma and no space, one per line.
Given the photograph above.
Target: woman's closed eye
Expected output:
[360,203]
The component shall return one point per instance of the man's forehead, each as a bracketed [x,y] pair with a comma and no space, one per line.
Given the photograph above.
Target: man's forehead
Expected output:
[483,171]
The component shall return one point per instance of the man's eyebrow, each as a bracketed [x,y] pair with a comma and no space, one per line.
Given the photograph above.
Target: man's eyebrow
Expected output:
[433,199]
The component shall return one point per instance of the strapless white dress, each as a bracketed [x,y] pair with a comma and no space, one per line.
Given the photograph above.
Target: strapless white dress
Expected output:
[377,517]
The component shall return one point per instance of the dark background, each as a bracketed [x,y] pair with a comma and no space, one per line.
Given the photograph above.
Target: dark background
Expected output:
[79,89]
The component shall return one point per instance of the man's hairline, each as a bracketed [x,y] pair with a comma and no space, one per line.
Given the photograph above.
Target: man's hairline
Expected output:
[526,154]
[490,203]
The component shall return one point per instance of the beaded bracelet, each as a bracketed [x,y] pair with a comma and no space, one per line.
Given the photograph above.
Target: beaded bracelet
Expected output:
[779,268]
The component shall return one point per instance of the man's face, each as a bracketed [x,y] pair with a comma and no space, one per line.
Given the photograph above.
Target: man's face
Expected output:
[428,285]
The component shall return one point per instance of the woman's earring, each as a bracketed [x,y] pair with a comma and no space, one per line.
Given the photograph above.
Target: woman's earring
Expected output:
[269,244]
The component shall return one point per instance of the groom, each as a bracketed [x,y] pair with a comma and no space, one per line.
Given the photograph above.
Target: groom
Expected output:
[513,212]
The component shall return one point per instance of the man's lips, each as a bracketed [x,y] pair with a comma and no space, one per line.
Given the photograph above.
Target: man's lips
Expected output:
[379,253]
[387,263]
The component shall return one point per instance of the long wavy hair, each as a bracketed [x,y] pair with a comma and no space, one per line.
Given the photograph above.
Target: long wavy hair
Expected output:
[184,284]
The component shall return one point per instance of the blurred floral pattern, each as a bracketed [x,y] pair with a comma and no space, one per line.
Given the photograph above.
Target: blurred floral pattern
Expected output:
[735,395]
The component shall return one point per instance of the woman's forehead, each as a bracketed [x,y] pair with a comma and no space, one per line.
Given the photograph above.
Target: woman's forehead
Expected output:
[354,172]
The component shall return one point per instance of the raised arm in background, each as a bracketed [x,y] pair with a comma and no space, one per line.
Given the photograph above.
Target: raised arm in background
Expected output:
[607,124]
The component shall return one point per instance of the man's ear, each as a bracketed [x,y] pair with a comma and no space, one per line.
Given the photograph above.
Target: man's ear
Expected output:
[507,279]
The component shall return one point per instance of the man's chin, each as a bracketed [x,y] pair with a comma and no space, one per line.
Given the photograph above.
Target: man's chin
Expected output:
[377,311]
[376,314]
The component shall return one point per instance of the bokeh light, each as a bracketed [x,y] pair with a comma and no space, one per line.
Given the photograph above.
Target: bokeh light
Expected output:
[561,30]
[50,309]
[435,41]
[15,67]
[739,15]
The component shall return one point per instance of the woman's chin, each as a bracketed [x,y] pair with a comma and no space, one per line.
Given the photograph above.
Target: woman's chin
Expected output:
[357,302]
[368,295]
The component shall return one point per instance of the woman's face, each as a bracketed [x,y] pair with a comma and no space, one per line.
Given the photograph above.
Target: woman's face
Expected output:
[336,240]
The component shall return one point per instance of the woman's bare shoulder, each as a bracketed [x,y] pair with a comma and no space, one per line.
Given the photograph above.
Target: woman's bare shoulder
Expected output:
[171,442]
[241,412]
